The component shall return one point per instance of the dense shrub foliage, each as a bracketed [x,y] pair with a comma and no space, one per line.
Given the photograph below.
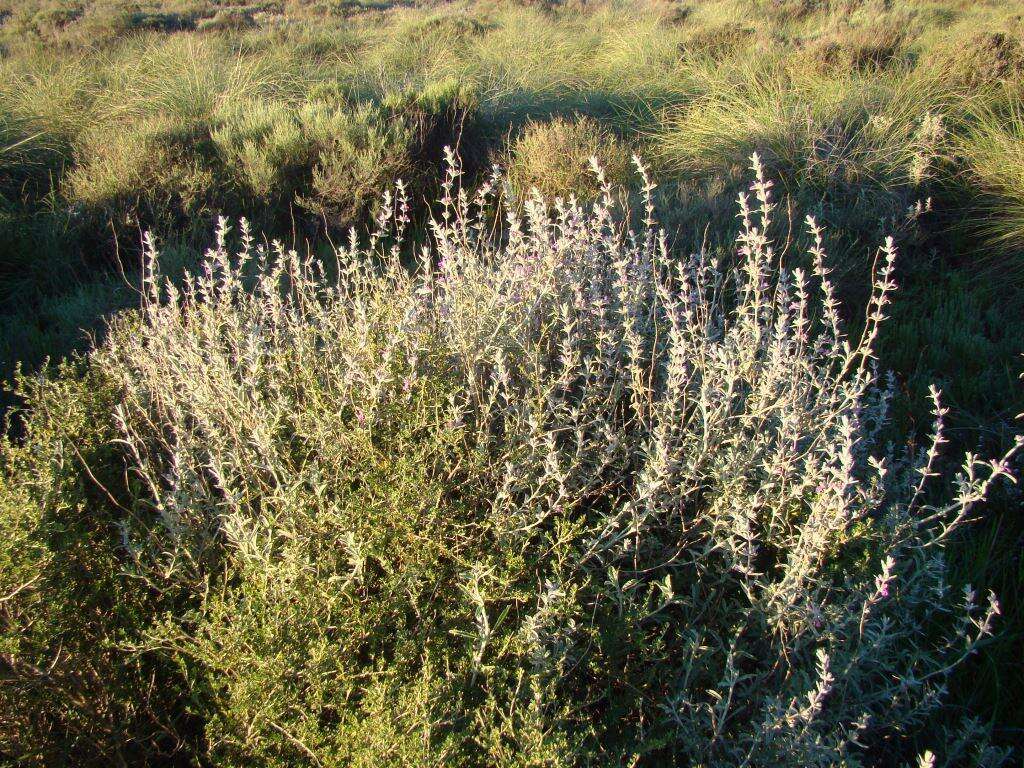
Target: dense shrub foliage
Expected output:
[550,498]
[73,688]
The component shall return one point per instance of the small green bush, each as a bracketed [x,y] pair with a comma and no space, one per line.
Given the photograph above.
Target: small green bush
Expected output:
[266,148]
[555,159]
[359,152]
[363,149]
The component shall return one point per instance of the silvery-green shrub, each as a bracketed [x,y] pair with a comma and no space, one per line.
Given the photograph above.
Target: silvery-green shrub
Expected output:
[553,497]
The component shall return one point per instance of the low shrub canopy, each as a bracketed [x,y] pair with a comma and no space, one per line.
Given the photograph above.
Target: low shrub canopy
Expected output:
[551,498]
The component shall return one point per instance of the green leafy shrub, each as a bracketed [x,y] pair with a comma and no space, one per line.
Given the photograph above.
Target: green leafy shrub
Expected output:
[266,147]
[367,148]
[359,151]
[208,146]
[72,689]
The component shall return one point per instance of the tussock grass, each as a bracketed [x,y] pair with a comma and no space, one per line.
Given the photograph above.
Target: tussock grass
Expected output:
[993,147]
[555,159]
[140,169]
[819,131]
[191,78]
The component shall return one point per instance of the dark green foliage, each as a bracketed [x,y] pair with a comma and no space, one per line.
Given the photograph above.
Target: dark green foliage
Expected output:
[73,689]
[949,328]
[951,331]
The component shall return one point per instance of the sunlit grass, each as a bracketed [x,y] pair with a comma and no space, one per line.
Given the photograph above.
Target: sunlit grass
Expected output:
[993,148]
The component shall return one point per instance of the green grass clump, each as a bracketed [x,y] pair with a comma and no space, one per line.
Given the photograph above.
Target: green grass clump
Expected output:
[994,153]
[862,152]
[982,59]
[818,131]
[871,47]
[228,20]
[152,175]
[27,156]
[555,159]
[191,77]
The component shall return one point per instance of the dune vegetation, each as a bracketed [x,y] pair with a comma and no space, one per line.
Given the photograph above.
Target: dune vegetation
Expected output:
[511,383]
